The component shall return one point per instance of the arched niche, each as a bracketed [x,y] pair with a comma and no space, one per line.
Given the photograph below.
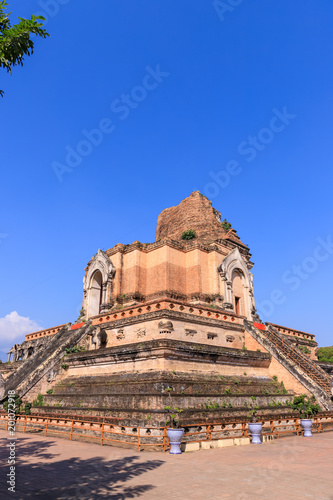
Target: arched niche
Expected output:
[95,292]
[98,284]
[237,284]
[237,279]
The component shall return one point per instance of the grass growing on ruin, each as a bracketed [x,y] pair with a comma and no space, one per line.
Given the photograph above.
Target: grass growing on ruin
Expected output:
[39,401]
[325,354]
[188,235]
[304,349]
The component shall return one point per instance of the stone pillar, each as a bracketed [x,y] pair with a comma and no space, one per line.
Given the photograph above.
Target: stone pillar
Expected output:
[84,301]
[15,353]
[105,305]
[228,302]
[108,290]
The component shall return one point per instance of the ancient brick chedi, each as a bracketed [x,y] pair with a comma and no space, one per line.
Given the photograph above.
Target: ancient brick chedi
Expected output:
[202,269]
[173,317]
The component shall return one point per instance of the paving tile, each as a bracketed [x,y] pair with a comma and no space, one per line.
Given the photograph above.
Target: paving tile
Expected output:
[53,468]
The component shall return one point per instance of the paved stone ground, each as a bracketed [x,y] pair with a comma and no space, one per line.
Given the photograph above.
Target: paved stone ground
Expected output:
[53,468]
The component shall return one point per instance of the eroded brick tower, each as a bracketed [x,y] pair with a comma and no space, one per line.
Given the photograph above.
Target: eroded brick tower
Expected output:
[174,318]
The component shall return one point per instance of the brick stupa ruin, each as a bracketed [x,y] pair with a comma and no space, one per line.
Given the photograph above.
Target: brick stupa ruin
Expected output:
[175,317]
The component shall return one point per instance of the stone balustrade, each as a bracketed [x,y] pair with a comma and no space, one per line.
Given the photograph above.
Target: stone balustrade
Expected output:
[44,333]
[292,332]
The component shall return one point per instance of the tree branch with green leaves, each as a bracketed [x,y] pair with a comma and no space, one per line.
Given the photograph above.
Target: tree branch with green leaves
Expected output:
[15,41]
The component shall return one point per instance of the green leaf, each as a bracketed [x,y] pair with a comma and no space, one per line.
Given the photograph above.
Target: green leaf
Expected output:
[15,41]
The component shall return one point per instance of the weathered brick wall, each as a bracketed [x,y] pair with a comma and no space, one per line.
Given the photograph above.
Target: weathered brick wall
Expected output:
[176,329]
[168,355]
[275,368]
[44,385]
[167,268]
[252,344]
[195,212]
[290,382]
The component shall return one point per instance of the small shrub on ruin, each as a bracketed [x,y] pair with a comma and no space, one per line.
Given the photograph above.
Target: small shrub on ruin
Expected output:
[16,406]
[74,349]
[304,349]
[39,401]
[226,225]
[188,235]
[27,408]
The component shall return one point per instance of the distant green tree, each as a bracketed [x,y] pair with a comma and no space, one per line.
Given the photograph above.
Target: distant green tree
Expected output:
[15,41]
[325,354]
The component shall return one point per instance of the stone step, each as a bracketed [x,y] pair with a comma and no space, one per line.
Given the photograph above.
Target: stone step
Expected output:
[154,389]
[36,366]
[307,372]
[159,383]
[165,396]
[150,417]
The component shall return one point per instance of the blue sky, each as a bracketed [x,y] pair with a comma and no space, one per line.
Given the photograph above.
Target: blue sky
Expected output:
[185,96]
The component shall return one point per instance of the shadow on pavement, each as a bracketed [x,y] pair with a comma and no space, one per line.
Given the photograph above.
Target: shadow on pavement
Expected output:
[72,478]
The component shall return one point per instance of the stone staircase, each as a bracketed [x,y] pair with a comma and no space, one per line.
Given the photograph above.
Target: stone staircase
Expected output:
[35,367]
[308,365]
[305,370]
[141,398]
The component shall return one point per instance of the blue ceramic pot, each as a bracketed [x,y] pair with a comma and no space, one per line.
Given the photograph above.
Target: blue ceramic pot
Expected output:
[255,429]
[306,423]
[175,438]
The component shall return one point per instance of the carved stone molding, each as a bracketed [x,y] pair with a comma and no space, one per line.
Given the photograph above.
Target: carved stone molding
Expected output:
[98,337]
[211,335]
[51,376]
[120,334]
[141,332]
[165,326]
[105,307]
[189,332]
[102,263]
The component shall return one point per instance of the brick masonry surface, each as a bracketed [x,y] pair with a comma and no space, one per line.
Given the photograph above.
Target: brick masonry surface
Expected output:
[196,213]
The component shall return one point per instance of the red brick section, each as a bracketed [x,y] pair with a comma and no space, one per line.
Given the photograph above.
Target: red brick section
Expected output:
[260,326]
[195,212]
[78,325]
